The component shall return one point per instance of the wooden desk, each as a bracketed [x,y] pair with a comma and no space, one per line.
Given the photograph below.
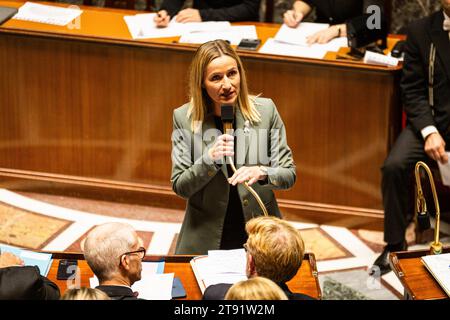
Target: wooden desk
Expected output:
[92,103]
[306,281]
[419,284]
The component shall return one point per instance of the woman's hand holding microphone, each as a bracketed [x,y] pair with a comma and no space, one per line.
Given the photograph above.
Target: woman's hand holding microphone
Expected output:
[224,147]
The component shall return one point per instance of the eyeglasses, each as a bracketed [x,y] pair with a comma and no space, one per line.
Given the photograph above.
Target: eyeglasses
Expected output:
[139,252]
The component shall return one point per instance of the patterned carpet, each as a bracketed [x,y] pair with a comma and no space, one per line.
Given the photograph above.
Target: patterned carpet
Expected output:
[55,223]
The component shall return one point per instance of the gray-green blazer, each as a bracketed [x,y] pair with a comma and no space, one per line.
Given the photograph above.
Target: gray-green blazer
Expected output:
[204,184]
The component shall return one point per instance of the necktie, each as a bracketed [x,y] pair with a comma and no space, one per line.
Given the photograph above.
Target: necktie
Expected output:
[447,24]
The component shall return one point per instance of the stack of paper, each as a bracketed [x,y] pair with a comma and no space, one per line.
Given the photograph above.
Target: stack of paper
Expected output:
[293,42]
[154,284]
[439,267]
[47,14]
[379,59]
[30,258]
[234,34]
[142,26]
[219,266]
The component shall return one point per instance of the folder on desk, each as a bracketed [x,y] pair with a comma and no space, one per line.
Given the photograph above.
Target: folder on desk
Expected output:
[219,266]
[439,267]
[6,13]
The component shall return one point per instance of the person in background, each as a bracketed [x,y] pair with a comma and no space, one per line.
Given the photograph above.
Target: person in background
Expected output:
[85,294]
[257,288]
[333,12]
[19,282]
[275,251]
[425,86]
[208,10]
[114,252]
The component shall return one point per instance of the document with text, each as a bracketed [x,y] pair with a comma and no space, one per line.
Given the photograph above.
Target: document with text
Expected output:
[47,14]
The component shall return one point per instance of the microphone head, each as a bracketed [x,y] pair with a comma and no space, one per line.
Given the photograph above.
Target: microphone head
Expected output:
[227,113]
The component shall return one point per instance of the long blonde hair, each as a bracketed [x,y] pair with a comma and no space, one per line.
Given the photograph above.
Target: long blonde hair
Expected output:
[199,99]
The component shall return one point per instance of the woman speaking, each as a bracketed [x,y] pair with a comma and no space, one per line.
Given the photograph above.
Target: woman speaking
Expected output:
[218,204]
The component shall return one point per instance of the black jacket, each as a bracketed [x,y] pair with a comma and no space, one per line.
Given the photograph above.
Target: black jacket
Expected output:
[414,83]
[26,283]
[219,291]
[118,292]
[218,10]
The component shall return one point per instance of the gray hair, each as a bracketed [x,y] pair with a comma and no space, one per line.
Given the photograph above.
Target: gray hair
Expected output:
[105,244]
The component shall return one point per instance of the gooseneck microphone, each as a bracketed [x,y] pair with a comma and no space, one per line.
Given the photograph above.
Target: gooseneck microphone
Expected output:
[227,115]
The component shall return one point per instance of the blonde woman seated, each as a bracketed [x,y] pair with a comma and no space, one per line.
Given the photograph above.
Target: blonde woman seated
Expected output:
[257,288]
[85,294]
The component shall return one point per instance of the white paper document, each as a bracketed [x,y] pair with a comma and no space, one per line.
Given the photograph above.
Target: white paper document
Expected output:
[299,34]
[153,285]
[234,34]
[439,267]
[142,26]
[445,171]
[220,266]
[47,14]
[316,51]
[379,59]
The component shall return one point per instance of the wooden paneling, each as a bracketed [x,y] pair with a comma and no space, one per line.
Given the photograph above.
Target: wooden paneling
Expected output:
[93,103]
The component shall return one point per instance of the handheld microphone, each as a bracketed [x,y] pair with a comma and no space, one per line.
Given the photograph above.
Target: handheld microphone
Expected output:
[227,116]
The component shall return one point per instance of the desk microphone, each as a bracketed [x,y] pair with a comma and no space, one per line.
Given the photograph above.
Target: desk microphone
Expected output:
[227,115]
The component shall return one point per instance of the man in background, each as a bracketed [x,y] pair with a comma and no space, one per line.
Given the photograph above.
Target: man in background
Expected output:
[114,252]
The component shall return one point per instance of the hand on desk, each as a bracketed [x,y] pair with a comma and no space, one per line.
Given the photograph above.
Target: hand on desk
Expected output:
[188,15]
[7,259]
[292,18]
[325,36]
[435,148]
[162,19]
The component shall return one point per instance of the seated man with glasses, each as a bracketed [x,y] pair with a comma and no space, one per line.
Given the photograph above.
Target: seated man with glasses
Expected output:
[275,251]
[115,252]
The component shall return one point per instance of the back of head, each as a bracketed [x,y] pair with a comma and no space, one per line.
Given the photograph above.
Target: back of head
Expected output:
[276,247]
[257,288]
[85,294]
[105,244]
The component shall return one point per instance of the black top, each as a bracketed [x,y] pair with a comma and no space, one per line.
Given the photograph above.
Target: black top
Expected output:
[218,10]
[119,292]
[26,283]
[233,232]
[219,291]
[339,11]
[414,84]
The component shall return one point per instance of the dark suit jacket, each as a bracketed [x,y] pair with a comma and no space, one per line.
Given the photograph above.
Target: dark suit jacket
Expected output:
[414,82]
[219,291]
[26,283]
[339,11]
[118,292]
[218,10]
